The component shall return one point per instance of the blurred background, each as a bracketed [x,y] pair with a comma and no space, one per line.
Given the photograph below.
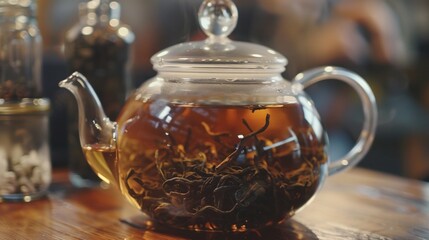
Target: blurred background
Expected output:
[386,42]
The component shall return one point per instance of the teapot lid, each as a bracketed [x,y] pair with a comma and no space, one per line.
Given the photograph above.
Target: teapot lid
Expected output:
[218,19]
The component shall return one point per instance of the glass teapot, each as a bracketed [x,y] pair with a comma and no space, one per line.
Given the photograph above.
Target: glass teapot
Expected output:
[218,140]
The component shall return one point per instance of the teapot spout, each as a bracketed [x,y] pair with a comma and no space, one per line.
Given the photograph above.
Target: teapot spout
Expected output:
[97,133]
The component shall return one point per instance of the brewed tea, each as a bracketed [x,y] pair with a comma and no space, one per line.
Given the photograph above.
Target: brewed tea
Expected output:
[211,167]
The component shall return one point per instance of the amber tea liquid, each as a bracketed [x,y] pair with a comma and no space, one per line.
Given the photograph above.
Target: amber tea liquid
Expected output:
[102,157]
[218,168]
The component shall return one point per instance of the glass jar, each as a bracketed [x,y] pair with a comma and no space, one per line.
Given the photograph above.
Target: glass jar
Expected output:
[25,166]
[99,46]
[20,51]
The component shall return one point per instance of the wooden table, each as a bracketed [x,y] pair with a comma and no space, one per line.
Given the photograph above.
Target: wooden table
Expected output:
[358,204]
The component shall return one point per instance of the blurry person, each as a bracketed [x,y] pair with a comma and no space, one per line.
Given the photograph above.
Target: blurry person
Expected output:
[344,31]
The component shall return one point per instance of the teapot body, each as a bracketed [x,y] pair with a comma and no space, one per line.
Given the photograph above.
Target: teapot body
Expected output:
[218,140]
[203,154]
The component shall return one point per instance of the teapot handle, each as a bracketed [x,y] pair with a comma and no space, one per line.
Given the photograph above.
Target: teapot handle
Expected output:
[366,136]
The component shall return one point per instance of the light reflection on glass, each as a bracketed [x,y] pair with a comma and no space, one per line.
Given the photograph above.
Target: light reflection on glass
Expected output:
[87,30]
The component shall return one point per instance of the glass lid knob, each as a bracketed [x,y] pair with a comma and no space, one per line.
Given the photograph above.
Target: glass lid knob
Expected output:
[218,18]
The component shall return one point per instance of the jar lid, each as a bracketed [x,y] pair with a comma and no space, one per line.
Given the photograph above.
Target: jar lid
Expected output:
[20,3]
[24,106]
[218,19]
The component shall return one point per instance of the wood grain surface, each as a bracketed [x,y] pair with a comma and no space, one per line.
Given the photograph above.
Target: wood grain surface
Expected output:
[358,204]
